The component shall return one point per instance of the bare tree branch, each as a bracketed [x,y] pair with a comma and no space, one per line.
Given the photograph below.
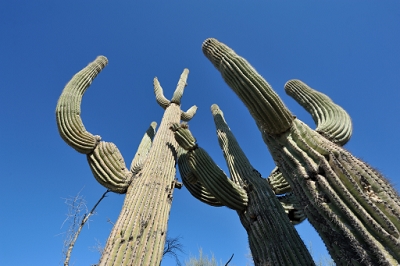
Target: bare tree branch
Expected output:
[227,263]
[172,247]
[76,204]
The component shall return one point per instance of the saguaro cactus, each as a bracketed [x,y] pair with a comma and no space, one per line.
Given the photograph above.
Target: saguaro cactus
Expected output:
[352,206]
[138,236]
[272,238]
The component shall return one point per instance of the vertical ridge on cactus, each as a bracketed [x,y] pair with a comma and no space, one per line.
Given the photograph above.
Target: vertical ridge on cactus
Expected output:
[263,103]
[138,236]
[353,208]
[332,121]
[68,108]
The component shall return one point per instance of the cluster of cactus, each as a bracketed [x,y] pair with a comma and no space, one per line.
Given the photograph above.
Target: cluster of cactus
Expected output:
[353,207]
[355,210]
[138,235]
[252,196]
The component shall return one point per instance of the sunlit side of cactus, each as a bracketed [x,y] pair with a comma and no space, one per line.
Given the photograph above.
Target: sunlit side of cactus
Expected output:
[138,235]
[353,207]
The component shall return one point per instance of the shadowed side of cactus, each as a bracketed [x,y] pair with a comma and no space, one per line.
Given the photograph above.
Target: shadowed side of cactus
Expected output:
[272,238]
[353,207]
[138,235]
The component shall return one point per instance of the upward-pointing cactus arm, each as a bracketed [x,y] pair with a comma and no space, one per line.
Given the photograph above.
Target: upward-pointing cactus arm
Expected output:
[332,121]
[176,97]
[104,158]
[144,148]
[68,109]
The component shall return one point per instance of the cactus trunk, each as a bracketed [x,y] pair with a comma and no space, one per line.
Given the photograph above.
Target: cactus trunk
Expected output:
[354,208]
[139,234]
[272,238]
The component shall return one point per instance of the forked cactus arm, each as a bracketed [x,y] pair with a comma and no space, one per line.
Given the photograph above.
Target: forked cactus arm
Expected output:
[143,149]
[265,106]
[68,109]
[209,174]
[138,236]
[176,98]
[332,121]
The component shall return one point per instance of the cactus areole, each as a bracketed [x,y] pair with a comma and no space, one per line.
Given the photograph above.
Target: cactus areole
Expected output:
[353,207]
[138,235]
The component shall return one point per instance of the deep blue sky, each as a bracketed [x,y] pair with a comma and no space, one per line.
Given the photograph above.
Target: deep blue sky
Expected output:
[350,51]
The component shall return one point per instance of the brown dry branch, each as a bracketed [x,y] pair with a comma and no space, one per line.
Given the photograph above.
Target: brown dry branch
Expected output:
[76,205]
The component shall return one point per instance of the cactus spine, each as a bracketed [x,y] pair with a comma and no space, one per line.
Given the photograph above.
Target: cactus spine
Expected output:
[139,234]
[272,238]
[353,207]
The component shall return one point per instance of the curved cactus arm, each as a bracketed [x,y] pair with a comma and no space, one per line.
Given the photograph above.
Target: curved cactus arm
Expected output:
[158,91]
[143,149]
[291,206]
[186,116]
[104,158]
[278,182]
[108,167]
[264,104]
[176,97]
[332,121]
[192,183]
[209,174]
[183,136]
[216,181]
[68,108]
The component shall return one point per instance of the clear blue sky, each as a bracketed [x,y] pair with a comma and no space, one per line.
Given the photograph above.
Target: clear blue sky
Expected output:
[349,51]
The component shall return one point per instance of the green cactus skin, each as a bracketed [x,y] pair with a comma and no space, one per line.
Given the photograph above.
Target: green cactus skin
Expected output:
[353,207]
[138,235]
[272,238]
[332,121]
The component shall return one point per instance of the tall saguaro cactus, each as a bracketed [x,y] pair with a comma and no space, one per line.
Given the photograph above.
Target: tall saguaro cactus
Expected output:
[273,239]
[138,236]
[352,206]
